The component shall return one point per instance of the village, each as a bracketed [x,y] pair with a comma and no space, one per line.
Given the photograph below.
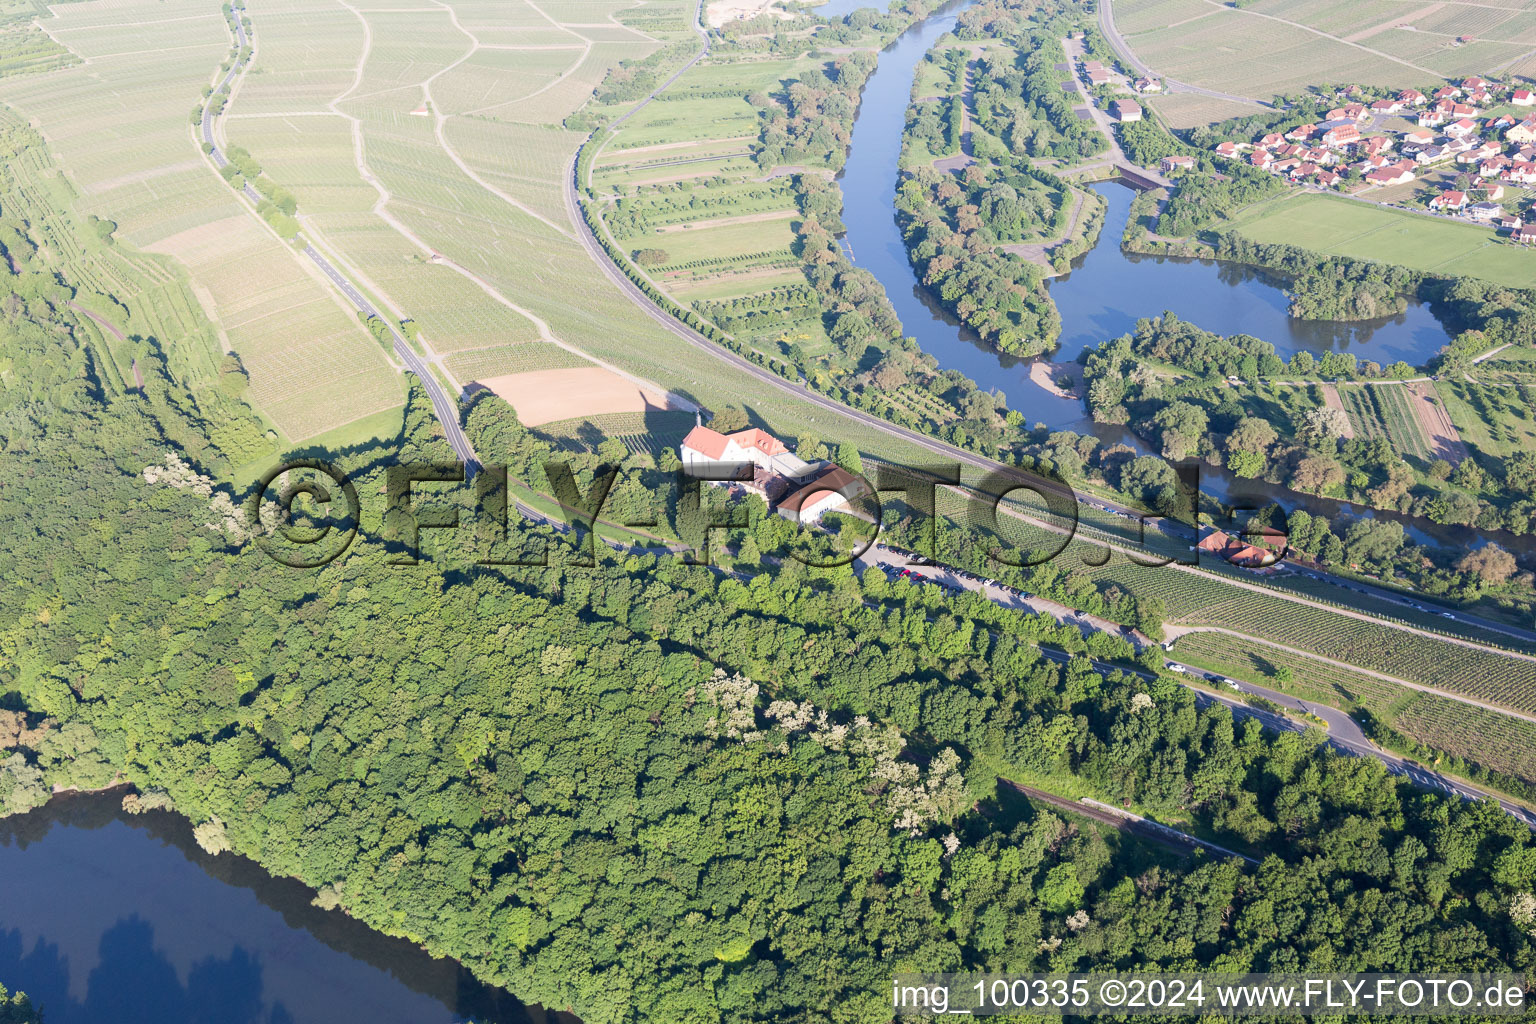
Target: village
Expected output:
[1471,144]
[1466,150]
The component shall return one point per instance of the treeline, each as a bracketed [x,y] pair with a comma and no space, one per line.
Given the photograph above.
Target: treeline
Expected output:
[812,122]
[1207,195]
[952,228]
[1023,104]
[1291,437]
[650,791]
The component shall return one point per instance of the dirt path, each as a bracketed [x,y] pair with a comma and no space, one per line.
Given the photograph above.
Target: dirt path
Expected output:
[1039,252]
[1393,22]
[1332,400]
[1443,436]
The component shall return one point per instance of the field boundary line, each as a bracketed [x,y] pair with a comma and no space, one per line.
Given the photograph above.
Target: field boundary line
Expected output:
[1460,698]
[1325,35]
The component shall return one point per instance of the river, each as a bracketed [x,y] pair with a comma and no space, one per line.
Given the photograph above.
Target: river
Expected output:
[1107,289]
[109,917]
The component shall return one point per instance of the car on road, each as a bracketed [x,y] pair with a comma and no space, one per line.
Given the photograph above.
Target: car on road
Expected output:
[1173,666]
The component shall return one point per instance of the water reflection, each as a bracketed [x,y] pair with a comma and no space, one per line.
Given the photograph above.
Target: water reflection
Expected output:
[106,917]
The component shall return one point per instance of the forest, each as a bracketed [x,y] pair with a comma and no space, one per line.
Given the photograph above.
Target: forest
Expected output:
[953,227]
[648,790]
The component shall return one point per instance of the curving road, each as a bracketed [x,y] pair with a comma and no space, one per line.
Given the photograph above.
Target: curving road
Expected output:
[446,408]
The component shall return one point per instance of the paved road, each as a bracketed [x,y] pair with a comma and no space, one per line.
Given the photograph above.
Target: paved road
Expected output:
[1118,43]
[446,408]
[1117,157]
[774,382]
[1344,734]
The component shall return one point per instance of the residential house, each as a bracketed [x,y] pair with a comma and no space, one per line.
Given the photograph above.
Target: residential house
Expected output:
[1145,85]
[1169,164]
[1341,135]
[1126,110]
[1262,159]
[1521,174]
[1494,191]
[1272,140]
[1396,174]
[1431,118]
[1301,133]
[1387,107]
[1449,200]
[1523,98]
[1494,166]
[1498,125]
[1477,154]
[1328,179]
[1431,155]
[1474,83]
[1412,98]
[1484,212]
[1285,166]
[1305,170]
[1508,222]
[1099,77]
[1461,129]
[1525,233]
[1227,149]
[1376,144]
[1525,131]
[1447,92]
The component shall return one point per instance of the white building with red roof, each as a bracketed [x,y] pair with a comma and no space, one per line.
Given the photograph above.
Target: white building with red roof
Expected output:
[758,447]
[1395,174]
[1523,98]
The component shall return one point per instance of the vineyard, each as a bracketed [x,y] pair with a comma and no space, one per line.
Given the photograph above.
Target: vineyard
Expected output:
[1479,673]
[1383,411]
[1311,679]
[1485,738]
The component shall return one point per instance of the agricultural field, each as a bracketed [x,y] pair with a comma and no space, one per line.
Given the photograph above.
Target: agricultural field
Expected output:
[648,432]
[1481,737]
[1494,419]
[548,396]
[1348,227]
[1187,109]
[1383,410]
[1311,679]
[1261,50]
[1492,740]
[1270,47]
[501,360]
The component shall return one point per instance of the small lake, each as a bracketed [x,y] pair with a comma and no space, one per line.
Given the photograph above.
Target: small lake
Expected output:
[109,918]
[1107,289]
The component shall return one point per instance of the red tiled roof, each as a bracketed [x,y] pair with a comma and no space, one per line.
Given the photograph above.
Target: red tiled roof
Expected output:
[761,440]
[710,443]
[834,481]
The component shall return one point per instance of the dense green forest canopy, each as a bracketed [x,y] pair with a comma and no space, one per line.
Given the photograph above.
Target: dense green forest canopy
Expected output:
[650,791]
